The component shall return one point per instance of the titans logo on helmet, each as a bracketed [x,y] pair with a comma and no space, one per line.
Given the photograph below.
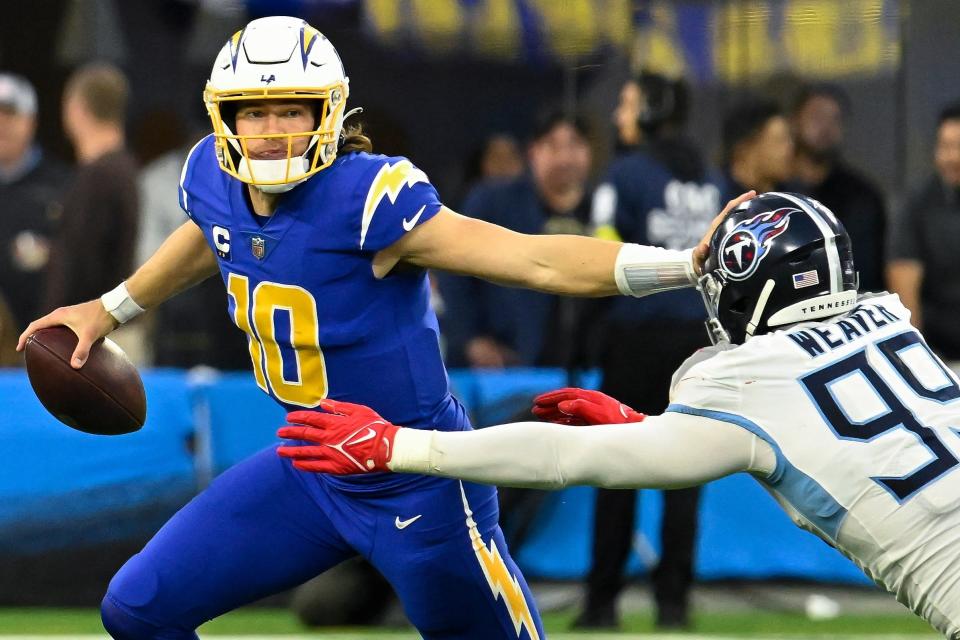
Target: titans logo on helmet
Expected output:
[744,247]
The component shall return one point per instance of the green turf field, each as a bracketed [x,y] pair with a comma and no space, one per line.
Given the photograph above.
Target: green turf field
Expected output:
[59,624]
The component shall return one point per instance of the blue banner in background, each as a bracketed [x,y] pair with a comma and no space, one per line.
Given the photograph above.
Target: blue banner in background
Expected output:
[60,487]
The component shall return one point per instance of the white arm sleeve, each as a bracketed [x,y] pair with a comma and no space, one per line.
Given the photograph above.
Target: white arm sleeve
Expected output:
[666,451]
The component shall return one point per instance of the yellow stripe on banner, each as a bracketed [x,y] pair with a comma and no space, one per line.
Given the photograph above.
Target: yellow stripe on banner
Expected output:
[439,23]
[384,15]
[497,28]
[502,582]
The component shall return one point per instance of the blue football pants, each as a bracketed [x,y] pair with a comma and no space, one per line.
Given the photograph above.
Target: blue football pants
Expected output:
[263,527]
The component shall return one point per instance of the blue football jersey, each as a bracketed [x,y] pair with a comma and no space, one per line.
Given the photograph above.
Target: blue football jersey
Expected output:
[300,284]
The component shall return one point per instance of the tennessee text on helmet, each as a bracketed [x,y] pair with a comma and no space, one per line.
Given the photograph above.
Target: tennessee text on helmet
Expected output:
[282,59]
[778,259]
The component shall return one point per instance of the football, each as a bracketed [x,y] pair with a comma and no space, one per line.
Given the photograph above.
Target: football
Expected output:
[103,397]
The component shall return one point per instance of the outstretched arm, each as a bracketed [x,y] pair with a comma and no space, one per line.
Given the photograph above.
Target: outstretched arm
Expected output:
[671,450]
[561,264]
[667,451]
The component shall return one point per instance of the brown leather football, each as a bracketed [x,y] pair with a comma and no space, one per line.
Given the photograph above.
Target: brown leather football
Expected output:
[105,396]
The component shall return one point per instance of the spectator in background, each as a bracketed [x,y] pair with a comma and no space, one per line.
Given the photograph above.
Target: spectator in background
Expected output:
[658,192]
[924,266]
[31,192]
[757,148]
[489,326]
[100,210]
[627,115]
[500,158]
[818,117]
[189,330]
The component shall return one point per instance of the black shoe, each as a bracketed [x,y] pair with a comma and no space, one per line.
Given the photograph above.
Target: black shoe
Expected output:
[597,618]
[676,618]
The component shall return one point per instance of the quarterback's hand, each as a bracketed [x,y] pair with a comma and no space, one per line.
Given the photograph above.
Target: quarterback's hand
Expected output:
[702,250]
[582,407]
[348,438]
[89,320]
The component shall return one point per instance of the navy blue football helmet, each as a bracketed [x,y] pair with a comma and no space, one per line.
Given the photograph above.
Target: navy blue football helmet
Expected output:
[777,259]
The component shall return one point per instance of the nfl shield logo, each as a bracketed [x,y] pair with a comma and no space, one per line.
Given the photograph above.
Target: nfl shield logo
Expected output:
[258,246]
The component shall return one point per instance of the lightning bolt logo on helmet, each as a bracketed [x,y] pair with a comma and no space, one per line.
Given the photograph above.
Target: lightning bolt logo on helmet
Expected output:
[744,247]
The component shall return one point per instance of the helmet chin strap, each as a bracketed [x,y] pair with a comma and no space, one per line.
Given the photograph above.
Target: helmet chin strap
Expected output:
[761,305]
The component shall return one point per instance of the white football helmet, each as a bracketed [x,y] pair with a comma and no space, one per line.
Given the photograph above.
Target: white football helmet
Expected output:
[277,58]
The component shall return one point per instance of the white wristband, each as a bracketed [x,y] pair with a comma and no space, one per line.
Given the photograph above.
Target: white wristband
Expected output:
[120,305]
[641,270]
[411,451]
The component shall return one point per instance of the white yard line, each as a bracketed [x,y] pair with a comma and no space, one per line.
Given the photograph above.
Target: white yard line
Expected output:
[554,636]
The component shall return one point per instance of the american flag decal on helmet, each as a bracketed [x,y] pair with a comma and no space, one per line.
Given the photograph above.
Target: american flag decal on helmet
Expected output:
[805,279]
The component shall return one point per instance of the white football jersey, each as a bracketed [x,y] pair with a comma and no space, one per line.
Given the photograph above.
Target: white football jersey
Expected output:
[864,421]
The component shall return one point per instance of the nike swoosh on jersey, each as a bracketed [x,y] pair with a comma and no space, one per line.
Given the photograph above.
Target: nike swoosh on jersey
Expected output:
[412,222]
[387,184]
[403,524]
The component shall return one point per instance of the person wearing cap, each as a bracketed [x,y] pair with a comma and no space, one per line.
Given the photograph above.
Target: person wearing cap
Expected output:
[31,189]
[101,212]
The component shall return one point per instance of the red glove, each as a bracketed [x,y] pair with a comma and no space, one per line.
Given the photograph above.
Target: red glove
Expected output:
[350,438]
[582,407]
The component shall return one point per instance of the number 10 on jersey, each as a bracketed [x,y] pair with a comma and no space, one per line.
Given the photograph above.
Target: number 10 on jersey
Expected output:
[256,316]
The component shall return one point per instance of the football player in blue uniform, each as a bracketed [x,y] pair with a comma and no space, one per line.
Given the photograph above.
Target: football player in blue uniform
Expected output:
[323,247]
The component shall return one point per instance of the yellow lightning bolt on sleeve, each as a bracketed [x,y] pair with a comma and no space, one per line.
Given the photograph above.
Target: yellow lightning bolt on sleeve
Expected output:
[502,582]
[387,184]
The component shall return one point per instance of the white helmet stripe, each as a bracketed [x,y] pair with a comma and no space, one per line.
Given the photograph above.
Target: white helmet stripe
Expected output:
[830,241]
[760,306]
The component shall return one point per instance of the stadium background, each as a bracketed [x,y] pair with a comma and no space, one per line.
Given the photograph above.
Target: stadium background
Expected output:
[435,78]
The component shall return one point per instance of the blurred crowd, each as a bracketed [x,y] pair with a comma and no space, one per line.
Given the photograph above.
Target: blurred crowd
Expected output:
[72,231]
[69,232]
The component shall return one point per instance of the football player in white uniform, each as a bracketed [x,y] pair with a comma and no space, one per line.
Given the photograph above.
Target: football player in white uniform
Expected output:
[831,400]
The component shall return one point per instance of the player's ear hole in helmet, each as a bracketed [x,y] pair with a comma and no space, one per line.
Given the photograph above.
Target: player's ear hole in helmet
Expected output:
[778,259]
